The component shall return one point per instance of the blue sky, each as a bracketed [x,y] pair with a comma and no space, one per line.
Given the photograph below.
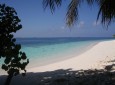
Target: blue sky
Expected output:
[38,22]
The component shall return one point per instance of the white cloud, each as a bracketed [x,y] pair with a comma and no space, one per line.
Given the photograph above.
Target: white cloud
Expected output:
[80,24]
[96,23]
[62,27]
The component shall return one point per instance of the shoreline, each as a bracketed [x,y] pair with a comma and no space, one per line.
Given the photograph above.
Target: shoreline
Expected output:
[62,58]
[93,58]
[57,58]
[80,61]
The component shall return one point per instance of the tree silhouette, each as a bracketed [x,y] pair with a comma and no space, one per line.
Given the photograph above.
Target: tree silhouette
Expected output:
[106,9]
[14,59]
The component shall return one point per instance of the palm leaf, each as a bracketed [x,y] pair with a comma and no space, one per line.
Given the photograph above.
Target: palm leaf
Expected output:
[72,13]
[52,4]
[90,2]
[107,11]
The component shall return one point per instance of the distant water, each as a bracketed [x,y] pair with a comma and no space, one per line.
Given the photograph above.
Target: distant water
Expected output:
[41,51]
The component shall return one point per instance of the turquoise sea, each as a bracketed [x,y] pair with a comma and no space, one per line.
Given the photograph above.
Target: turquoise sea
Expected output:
[42,51]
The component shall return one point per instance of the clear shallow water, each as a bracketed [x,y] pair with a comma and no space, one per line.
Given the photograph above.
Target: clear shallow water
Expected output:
[42,51]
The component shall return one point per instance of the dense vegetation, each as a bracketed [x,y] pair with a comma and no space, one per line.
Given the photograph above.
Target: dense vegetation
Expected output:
[14,59]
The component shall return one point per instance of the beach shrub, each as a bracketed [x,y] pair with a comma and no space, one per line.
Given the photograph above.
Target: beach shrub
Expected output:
[14,59]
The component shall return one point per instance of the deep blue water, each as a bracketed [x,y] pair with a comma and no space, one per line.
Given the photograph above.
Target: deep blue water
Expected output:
[42,50]
[51,41]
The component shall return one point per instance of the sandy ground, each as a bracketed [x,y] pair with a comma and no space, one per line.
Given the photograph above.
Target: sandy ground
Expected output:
[51,74]
[96,57]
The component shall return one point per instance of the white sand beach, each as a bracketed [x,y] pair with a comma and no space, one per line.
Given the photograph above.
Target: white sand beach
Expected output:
[96,57]
[65,70]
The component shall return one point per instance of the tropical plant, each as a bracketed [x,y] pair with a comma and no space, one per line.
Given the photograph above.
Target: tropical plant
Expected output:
[14,59]
[106,9]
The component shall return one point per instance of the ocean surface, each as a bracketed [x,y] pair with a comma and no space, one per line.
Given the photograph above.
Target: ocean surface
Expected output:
[42,51]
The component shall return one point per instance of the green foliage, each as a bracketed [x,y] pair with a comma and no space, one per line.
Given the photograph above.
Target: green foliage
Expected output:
[14,59]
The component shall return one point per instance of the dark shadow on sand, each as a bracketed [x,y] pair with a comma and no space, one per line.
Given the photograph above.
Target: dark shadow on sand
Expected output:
[65,77]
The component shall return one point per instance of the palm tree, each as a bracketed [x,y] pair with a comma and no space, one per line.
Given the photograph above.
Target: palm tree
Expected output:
[106,9]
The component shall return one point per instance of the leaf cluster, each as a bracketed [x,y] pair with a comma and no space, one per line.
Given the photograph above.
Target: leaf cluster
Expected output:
[14,59]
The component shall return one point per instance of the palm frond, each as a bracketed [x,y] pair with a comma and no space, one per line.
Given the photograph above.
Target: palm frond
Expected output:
[90,2]
[72,13]
[52,4]
[107,11]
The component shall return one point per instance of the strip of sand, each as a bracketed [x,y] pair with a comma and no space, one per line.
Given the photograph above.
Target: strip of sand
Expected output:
[96,57]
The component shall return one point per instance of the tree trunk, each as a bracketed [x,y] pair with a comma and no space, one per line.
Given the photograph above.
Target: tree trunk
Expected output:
[8,80]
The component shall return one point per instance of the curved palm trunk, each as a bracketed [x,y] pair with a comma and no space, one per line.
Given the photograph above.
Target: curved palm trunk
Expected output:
[8,80]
